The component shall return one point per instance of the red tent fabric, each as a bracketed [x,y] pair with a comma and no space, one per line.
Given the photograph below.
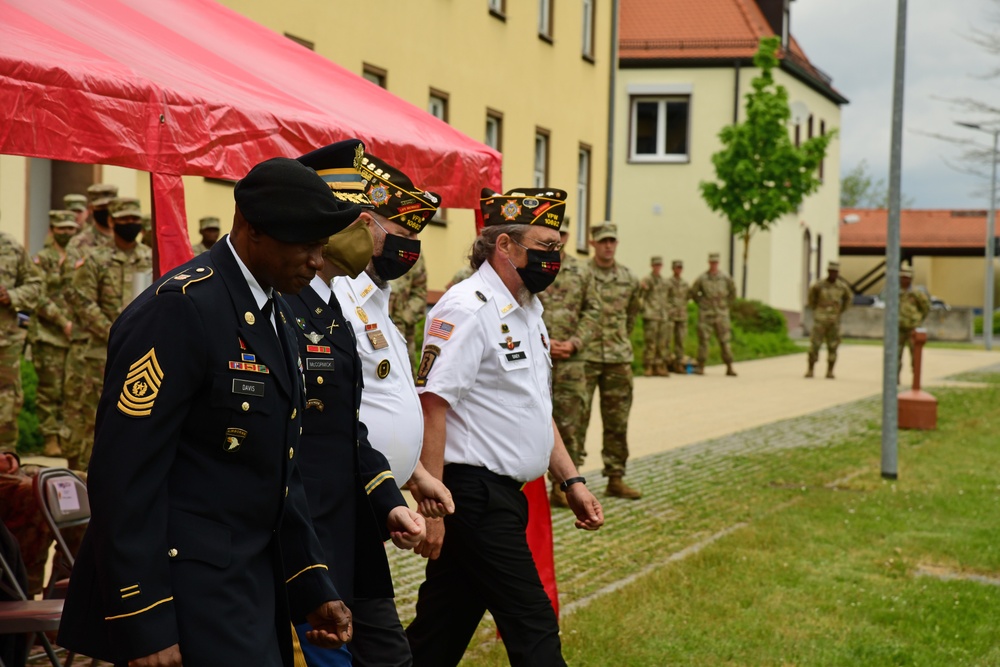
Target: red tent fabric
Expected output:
[189,87]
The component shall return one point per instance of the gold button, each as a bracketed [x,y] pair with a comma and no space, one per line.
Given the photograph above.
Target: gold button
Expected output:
[248,316]
[291,452]
[200,270]
[300,430]
[294,412]
[172,553]
[286,491]
[245,406]
[319,379]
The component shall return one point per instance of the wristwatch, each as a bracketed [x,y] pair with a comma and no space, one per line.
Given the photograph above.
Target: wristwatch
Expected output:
[564,486]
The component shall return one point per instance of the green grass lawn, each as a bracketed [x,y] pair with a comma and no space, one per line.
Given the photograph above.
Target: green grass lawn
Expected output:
[828,569]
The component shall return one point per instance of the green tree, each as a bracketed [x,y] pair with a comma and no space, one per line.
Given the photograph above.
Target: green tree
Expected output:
[760,174]
[859,189]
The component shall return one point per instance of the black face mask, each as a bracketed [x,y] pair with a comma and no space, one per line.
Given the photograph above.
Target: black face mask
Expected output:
[101,217]
[127,231]
[398,256]
[541,270]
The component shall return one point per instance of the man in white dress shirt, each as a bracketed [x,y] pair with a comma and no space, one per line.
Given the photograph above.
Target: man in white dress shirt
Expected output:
[484,383]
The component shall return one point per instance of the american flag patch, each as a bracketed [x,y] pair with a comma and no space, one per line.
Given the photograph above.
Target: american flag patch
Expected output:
[441,329]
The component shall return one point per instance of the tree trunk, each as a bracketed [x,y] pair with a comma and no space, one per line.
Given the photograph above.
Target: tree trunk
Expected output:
[746,253]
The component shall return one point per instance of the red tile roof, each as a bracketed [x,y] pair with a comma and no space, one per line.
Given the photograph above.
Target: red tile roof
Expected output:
[657,30]
[923,231]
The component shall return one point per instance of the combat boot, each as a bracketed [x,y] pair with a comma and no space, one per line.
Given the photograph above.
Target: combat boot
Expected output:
[557,497]
[699,369]
[619,489]
[729,370]
[829,371]
[679,367]
[809,372]
[52,447]
[647,371]
[662,370]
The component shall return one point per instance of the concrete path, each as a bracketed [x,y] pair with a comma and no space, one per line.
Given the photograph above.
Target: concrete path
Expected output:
[671,412]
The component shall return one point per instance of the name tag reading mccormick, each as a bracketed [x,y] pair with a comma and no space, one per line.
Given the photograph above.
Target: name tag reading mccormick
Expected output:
[252,368]
[248,387]
[516,356]
[319,364]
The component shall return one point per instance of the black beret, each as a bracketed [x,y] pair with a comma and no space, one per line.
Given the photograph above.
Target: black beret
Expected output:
[338,165]
[288,201]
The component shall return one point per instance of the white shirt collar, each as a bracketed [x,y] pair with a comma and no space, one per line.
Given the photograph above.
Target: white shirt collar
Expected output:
[259,294]
[503,300]
[321,287]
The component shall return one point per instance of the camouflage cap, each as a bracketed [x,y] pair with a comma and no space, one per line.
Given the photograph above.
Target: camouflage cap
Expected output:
[75,202]
[523,206]
[209,222]
[833,266]
[564,227]
[394,195]
[656,259]
[60,218]
[677,264]
[905,272]
[713,257]
[605,230]
[124,207]
[101,194]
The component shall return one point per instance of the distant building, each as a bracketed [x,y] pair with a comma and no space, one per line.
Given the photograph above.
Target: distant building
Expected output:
[685,66]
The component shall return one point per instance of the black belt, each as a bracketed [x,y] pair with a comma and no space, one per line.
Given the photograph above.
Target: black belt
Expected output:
[479,471]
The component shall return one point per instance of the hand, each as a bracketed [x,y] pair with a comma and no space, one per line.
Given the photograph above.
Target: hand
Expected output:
[587,508]
[406,527]
[433,497]
[68,330]
[331,622]
[431,546]
[4,296]
[168,657]
[560,349]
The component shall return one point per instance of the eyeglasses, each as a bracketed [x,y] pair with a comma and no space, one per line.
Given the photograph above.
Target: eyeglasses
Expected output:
[550,247]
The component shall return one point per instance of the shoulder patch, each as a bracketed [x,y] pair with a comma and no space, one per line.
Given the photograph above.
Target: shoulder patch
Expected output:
[427,359]
[181,281]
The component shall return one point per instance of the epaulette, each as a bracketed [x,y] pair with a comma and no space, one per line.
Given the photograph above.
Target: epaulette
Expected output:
[474,299]
[181,281]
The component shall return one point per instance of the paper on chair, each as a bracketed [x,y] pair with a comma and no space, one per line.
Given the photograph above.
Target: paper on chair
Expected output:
[66,493]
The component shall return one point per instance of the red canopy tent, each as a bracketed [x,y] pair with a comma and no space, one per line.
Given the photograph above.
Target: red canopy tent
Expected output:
[189,87]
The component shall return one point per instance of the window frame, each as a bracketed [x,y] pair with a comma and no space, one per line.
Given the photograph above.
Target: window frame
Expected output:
[301,41]
[500,13]
[546,10]
[583,203]
[370,72]
[546,136]
[661,128]
[497,117]
[587,40]
[444,97]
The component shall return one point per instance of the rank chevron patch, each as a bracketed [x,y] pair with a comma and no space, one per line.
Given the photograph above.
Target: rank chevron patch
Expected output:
[141,386]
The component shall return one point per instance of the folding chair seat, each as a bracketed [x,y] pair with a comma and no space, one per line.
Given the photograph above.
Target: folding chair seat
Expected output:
[19,615]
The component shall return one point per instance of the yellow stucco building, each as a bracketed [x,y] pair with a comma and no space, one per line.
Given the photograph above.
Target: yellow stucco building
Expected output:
[528,77]
[682,78]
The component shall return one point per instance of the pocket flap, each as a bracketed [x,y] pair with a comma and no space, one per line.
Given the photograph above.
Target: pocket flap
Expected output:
[192,537]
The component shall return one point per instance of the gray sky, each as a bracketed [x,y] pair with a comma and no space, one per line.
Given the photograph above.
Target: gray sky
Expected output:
[854,41]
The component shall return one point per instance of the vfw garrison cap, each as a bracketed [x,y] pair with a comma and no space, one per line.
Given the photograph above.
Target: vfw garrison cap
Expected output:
[288,201]
[523,206]
[338,165]
[62,219]
[394,195]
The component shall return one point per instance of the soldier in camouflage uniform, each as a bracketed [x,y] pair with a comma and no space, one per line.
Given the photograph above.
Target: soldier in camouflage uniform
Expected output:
[209,227]
[677,315]
[714,292]
[828,300]
[914,307]
[98,233]
[20,289]
[77,204]
[614,305]
[51,329]
[459,276]
[653,292]
[105,281]
[408,304]
[571,324]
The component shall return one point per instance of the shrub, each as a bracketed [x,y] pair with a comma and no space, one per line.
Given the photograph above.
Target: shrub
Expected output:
[757,317]
[979,324]
[29,438]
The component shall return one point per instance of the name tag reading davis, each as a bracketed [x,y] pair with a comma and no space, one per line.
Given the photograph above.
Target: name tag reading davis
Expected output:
[319,364]
[248,387]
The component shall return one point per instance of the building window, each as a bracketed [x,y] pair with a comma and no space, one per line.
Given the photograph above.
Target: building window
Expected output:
[498,8]
[545,19]
[822,132]
[376,75]
[660,129]
[541,177]
[588,29]
[304,42]
[437,104]
[494,130]
[583,198]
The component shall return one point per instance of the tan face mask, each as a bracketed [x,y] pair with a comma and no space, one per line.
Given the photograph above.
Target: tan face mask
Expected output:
[350,250]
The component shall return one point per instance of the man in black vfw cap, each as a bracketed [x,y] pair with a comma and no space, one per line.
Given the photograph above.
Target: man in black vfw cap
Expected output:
[200,547]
